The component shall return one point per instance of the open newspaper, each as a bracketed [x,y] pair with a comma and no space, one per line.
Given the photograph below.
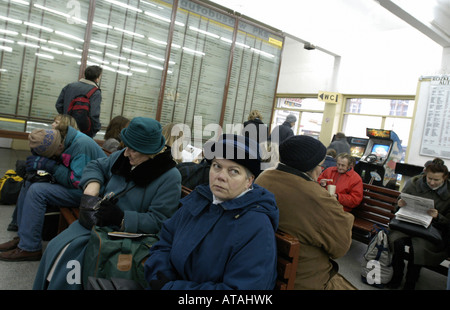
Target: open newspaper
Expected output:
[415,210]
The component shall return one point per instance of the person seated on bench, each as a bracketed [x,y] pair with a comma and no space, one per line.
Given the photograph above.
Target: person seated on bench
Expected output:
[309,213]
[223,235]
[193,173]
[64,160]
[112,134]
[349,185]
[62,123]
[151,185]
[434,185]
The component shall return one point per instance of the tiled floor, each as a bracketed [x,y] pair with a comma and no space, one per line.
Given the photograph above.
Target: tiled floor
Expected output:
[20,276]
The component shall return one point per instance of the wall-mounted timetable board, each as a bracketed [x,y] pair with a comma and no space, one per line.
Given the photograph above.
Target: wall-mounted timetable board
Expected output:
[218,67]
[435,96]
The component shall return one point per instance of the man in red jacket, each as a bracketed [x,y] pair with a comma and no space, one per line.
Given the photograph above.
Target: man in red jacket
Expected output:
[349,185]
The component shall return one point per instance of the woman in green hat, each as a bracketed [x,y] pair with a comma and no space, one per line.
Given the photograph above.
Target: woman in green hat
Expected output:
[143,175]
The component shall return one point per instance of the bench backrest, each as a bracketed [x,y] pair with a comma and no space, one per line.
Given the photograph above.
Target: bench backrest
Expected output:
[288,248]
[185,191]
[376,209]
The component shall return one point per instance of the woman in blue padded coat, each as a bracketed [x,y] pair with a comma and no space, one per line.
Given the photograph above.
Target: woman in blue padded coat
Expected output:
[147,167]
[223,235]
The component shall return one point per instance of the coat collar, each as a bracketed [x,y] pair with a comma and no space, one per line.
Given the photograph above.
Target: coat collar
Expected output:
[291,170]
[146,172]
[442,191]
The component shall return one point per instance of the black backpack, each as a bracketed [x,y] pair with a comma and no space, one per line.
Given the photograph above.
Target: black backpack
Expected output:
[80,110]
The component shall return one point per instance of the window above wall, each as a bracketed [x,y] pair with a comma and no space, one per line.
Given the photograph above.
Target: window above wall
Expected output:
[394,113]
[308,110]
[380,106]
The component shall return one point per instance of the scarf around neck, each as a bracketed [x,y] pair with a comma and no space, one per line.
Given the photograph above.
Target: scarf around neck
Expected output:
[146,172]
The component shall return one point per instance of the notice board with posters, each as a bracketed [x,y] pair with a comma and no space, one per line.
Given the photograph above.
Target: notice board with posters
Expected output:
[434,94]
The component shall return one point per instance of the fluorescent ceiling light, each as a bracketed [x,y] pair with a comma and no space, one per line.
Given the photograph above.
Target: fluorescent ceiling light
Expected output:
[72,55]
[189,50]
[61,44]
[51,50]
[115,56]
[137,62]
[92,51]
[138,70]
[9,32]
[11,20]
[38,26]
[99,60]
[205,32]
[123,5]
[124,73]
[157,58]
[103,25]
[133,51]
[242,45]
[108,69]
[6,48]
[129,32]
[6,40]
[52,10]
[44,56]
[120,65]
[157,41]
[262,53]
[33,37]
[226,40]
[157,16]
[28,44]
[69,36]
[156,67]
[21,2]
[104,44]
[148,3]
[164,19]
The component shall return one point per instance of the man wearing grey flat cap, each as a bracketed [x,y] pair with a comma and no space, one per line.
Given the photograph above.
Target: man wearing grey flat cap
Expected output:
[283,131]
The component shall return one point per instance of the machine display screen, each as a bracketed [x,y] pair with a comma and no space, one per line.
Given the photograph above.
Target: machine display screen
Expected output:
[357,151]
[381,150]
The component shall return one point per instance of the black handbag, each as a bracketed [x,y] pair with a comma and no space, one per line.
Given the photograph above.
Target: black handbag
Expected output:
[431,233]
[113,284]
[41,176]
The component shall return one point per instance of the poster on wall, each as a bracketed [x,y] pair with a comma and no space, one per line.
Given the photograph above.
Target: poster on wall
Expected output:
[436,132]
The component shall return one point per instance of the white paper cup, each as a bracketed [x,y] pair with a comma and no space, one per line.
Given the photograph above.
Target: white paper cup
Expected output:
[331,189]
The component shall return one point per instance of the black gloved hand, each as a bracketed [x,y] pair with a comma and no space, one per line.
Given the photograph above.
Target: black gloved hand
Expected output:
[109,214]
[160,282]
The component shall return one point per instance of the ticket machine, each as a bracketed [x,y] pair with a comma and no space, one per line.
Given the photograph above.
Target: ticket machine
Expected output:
[381,154]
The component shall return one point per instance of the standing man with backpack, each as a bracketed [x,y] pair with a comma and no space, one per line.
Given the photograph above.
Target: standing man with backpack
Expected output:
[82,100]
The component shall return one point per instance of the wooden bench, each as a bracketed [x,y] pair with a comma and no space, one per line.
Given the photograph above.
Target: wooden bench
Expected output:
[376,210]
[288,248]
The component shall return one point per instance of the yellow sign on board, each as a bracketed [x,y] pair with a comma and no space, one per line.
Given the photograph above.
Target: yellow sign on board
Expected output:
[329,97]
